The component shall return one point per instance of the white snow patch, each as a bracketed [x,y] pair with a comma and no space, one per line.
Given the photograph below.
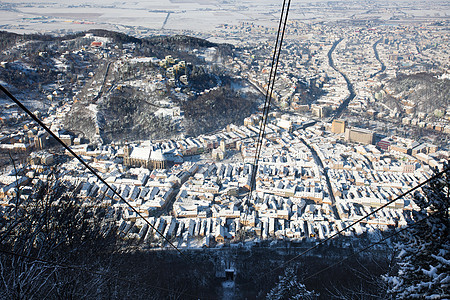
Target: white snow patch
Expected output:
[164,112]
[441,259]
[402,253]
[432,272]
[144,60]
[93,108]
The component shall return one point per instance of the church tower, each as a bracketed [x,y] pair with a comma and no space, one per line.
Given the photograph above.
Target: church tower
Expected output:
[126,155]
[222,145]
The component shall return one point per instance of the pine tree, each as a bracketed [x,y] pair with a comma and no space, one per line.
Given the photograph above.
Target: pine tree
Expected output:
[423,262]
[289,288]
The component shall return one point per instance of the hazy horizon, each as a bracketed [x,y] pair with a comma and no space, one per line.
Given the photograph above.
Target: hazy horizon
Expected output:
[196,15]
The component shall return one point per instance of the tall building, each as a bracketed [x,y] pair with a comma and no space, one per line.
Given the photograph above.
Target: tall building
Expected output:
[384,144]
[321,111]
[222,145]
[338,126]
[40,141]
[359,135]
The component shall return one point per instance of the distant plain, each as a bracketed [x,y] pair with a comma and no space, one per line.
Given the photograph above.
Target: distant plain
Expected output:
[205,16]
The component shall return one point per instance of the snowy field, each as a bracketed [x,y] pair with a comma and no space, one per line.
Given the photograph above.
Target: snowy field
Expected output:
[196,15]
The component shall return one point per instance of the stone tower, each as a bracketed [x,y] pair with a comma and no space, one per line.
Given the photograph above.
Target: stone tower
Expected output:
[222,145]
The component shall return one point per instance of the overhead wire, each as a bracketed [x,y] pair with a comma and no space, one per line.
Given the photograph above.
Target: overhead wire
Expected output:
[275,60]
[85,164]
[263,124]
[282,265]
[266,100]
[409,226]
[40,123]
[269,92]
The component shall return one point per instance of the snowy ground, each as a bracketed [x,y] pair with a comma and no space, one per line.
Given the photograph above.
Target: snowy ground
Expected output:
[231,157]
[196,15]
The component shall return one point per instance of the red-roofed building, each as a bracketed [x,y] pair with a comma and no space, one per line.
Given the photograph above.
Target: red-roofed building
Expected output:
[96,44]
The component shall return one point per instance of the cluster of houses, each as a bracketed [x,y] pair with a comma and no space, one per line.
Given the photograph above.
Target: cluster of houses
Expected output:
[368,57]
[206,201]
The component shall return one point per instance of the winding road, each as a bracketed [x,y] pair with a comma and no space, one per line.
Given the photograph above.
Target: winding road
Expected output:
[377,56]
[344,104]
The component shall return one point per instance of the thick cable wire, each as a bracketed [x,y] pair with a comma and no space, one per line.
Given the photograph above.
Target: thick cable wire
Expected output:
[409,226]
[282,265]
[269,92]
[37,120]
[269,81]
[262,132]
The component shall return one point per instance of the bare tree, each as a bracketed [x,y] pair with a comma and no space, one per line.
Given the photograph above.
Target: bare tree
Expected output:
[51,225]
